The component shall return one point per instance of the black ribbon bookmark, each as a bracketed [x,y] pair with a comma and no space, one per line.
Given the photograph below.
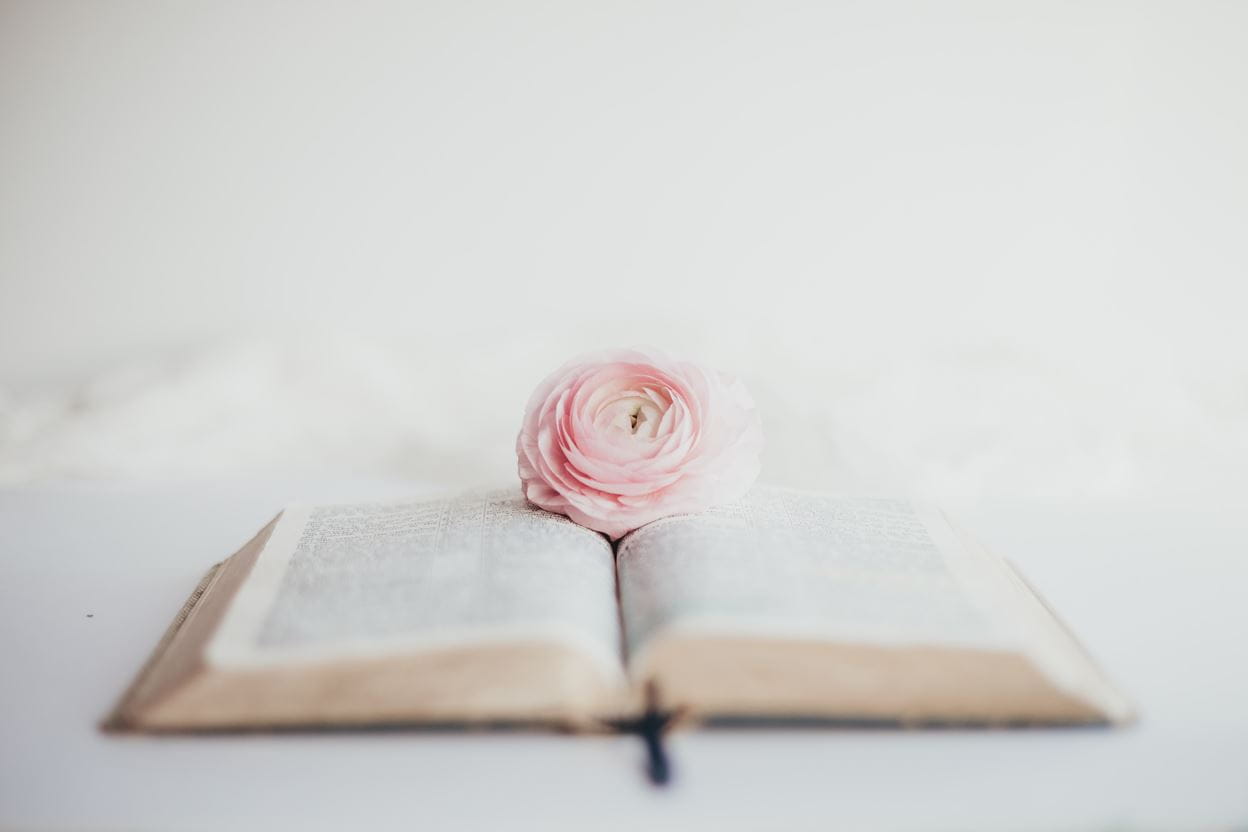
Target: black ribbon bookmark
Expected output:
[650,727]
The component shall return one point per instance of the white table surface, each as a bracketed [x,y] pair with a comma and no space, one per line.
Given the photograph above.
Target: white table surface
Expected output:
[90,576]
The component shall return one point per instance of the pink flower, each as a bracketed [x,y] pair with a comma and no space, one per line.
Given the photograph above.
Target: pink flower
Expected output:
[622,437]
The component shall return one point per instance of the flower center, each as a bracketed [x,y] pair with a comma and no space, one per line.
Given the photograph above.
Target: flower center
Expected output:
[638,415]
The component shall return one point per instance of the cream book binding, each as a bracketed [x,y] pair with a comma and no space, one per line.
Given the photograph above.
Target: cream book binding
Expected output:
[483,610]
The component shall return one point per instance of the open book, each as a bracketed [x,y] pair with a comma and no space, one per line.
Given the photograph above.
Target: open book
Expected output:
[483,609]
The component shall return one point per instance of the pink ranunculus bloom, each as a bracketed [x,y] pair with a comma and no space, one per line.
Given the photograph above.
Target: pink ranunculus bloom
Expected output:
[619,438]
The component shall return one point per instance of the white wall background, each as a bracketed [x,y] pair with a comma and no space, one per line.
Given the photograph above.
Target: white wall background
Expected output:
[971,249]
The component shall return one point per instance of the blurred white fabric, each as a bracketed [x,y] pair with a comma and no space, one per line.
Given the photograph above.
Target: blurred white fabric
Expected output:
[964,425]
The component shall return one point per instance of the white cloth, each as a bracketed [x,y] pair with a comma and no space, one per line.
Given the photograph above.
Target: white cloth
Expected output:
[958,425]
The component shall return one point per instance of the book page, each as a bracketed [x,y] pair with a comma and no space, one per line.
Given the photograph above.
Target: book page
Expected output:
[376,578]
[790,564]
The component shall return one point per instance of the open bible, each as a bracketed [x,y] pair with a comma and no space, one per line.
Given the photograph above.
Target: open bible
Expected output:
[482,609]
